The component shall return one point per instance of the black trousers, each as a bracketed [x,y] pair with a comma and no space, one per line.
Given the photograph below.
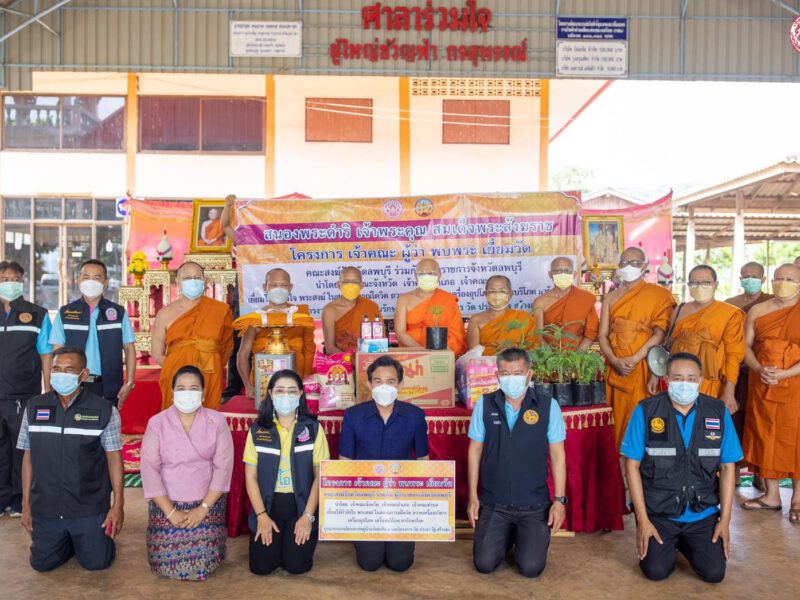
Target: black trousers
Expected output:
[398,556]
[234,384]
[693,540]
[499,527]
[11,412]
[96,387]
[55,541]
[283,551]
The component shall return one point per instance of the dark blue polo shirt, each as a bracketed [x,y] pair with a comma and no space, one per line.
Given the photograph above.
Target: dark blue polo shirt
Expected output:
[366,437]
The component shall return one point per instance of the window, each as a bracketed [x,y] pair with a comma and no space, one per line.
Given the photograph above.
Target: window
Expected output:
[17,247]
[107,210]
[64,122]
[47,208]
[17,208]
[476,122]
[79,209]
[339,120]
[188,124]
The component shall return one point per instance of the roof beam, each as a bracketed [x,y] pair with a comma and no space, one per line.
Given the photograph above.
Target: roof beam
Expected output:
[33,19]
[791,9]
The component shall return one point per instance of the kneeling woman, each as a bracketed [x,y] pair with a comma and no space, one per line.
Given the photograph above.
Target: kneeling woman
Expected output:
[187,460]
[282,456]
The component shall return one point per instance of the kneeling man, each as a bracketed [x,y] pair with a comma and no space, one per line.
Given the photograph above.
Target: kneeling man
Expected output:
[681,451]
[509,456]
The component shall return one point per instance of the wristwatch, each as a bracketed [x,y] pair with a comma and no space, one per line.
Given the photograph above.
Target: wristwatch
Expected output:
[205,505]
[561,499]
[311,518]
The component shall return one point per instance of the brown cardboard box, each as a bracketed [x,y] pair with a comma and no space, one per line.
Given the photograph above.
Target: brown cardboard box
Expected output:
[428,379]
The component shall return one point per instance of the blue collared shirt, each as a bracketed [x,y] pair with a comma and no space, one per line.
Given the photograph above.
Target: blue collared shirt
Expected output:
[365,436]
[633,447]
[57,336]
[556,431]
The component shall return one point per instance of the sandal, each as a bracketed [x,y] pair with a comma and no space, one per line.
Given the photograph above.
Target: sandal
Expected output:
[760,505]
[794,516]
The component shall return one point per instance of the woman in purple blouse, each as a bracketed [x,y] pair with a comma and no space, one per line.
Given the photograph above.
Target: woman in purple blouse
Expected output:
[187,460]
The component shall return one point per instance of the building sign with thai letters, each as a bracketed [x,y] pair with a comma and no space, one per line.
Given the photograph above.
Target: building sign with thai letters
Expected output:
[592,47]
[266,39]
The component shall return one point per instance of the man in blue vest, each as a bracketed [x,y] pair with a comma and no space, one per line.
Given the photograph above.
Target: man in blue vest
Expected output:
[681,450]
[72,463]
[384,428]
[102,328]
[509,456]
[25,357]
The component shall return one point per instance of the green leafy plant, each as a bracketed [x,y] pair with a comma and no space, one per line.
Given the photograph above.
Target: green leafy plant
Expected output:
[436,311]
[539,359]
[587,365]
[560,365]
[559,333]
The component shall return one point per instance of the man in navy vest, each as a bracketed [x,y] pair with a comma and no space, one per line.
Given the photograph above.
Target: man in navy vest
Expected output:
[25,357]
[384,428]
[508,454]
[681,450]
[71,439]
[102,328]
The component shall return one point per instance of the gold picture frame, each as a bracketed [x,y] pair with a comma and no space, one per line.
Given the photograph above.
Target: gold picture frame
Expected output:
[603,241]
[203,218]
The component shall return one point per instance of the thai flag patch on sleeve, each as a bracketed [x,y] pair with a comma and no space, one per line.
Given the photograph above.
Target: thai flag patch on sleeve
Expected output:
[712,423]
[43,414]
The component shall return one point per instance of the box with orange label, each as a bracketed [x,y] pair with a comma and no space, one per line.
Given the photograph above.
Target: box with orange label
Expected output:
[428,376]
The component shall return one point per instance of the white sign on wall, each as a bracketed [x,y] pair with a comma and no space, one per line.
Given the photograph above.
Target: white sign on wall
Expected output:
[592,47]
[266,39]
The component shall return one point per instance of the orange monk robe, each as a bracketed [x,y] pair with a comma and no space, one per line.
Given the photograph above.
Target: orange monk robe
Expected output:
[298,332]
[203,337]
[578,309]
[420,318]
[715,334]
[632,321]
[348,327]
[514,328]
[772,423]
[213,232]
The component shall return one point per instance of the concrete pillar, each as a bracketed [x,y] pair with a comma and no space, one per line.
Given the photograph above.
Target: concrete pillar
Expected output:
[738,243]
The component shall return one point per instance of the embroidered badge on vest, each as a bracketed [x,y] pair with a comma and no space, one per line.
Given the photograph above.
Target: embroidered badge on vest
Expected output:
[304,435]
[25,317]
[713,436]
[531,417]
[73,315]
[712,423]
[80,417]
[111,314]
[43,414]
[657,425]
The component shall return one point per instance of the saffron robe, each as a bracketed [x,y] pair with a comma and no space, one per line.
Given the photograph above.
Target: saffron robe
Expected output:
[420,318]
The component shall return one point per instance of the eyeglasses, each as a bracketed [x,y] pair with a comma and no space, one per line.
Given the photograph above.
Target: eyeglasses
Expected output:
[190,278]
[633,263]
[700,284]
[433,273]
[504,292]
[562,271]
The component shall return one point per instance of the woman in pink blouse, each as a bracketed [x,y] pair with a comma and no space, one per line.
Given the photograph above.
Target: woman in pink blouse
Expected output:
[187,460]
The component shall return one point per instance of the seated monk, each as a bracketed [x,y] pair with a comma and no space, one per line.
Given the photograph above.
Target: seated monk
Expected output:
[633,319]
[714,332]
[428,306]
[298,329]
[211,230]
[193,330]
[752,278]
[772,425]
[500,326]
[567,306]
[342,318]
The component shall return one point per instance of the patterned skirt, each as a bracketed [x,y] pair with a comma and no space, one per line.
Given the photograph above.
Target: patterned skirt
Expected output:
[187,554]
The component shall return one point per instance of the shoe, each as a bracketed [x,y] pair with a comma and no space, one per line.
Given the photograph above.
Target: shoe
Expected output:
[15,513]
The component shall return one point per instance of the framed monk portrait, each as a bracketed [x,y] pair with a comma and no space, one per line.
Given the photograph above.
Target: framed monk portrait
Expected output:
[207,234]
[603,241]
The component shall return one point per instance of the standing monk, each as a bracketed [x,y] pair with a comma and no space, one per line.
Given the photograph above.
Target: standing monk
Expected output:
[193,330]
[633,319]
[428,306]
[296,320]
[500,326]
[752,279]
[567,306]
[772,425]
[342,318]
[714,332]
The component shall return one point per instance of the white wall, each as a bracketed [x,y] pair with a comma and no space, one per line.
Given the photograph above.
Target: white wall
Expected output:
[199,176]
[62,173]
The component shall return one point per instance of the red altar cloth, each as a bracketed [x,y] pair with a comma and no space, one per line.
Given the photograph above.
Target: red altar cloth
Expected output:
[143,402]
[594,481]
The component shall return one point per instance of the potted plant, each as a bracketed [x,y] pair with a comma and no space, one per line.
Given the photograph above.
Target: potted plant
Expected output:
[436,337]
[541,372]
[137,267]
[560,366]
[587,366]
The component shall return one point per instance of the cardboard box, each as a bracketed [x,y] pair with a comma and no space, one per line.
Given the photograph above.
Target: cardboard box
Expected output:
[428,378]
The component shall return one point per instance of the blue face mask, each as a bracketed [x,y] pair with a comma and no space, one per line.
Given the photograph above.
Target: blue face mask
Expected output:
[64,383]
[751,285]
[683,392]
[285,404]
[193,288]
[514,386]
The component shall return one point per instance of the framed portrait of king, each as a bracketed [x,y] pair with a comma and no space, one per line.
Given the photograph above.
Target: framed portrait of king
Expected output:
[207,233]
[603,241]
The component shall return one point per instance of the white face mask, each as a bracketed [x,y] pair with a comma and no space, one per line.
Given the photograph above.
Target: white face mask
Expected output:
[384,394]
[278,295]
[629,273]
[187,401]
[91,288]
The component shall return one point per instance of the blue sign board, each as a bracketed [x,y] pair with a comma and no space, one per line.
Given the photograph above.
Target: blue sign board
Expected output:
[592,28]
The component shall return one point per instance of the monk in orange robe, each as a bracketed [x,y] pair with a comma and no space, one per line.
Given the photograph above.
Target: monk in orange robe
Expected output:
[633,319]
[428,306]
[714,332]
[193,330]
[567,306]
[500,326]
[342,318]
[752,278]
[211,231]
[297,323]
[772,426]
